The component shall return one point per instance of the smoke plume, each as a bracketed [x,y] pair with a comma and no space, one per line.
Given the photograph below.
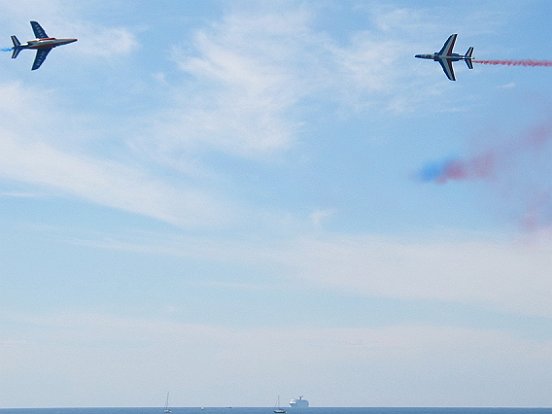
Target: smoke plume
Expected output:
[525,62]
[518,169]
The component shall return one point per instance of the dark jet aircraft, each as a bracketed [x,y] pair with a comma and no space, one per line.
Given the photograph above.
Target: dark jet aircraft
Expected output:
[445,57]
[43,44]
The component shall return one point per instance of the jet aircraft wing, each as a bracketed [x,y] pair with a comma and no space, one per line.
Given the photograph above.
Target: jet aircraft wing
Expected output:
[40,57]
[38,30]
[447,48]
[446,64]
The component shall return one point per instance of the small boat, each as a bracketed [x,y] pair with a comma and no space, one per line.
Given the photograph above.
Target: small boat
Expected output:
[278,409]
[167,409]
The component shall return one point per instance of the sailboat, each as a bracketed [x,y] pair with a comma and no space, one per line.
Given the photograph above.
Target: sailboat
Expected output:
[278,409]
[167,409]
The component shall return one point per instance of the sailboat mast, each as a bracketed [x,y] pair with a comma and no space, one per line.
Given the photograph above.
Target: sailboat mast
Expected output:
[167,409]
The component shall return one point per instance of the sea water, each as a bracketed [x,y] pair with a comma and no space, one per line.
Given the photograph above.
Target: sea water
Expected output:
[268,410]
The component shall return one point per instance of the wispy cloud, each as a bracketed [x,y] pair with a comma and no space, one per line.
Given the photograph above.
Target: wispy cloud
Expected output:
[244,69]
[253,77]
[19,194]
[28,154]
[105,183]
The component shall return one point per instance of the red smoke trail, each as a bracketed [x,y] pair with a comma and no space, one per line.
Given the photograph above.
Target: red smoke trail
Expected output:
[493,162]
[526,62]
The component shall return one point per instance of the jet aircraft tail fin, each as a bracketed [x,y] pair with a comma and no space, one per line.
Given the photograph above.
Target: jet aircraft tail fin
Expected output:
[468,58]
[16,46]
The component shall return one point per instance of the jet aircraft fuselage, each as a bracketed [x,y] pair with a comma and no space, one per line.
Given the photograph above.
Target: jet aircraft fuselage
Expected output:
[47,43]
[435,56]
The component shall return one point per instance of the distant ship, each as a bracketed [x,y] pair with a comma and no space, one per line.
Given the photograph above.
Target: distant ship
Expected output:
[299,402]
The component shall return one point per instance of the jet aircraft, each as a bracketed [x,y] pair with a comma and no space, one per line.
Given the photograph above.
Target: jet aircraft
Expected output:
[43,44]
[445,57]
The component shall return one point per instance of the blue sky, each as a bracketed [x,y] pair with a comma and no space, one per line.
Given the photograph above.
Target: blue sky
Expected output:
[223,200]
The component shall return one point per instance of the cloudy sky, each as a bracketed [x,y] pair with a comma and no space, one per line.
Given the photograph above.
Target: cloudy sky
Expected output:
[231,200]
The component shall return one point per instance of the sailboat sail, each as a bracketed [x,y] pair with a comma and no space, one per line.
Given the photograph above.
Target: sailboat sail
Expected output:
[167,409]
[278,409]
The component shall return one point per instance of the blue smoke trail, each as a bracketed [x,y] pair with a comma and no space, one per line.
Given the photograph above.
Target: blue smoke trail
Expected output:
[437,171]
[432,171]
[6,49]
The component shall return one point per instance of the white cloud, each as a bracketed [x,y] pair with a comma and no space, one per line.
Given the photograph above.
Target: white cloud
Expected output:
[105,183]
[254,75]
[247,85]
[27,154]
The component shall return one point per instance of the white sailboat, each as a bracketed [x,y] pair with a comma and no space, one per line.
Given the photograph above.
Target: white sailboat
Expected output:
[278,409]
[167,409]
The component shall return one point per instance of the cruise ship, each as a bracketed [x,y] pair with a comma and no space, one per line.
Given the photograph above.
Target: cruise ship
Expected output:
[299,402]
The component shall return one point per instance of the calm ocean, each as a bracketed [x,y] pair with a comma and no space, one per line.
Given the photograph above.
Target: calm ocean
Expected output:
[268,410]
